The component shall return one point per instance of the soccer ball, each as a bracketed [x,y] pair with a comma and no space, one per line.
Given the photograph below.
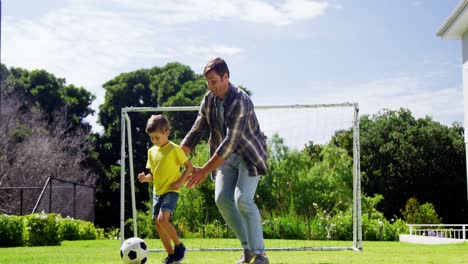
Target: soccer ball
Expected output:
[134,251]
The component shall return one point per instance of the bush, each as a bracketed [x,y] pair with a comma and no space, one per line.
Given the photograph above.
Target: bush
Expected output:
[415,213]
[341,225]
[110,233]
[145,225]
[86,230]
[285,227]
[392,231]
[216,229]
[69,229]
[43,229]
[11,231]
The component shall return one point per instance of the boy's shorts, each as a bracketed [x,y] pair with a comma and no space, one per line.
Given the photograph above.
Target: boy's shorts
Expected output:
[166,202]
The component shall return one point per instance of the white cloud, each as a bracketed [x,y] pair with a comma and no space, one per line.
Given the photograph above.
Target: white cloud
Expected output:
[89,42]
[417,93]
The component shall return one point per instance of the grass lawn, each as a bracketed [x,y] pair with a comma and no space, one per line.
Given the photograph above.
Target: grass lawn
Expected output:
[107,251]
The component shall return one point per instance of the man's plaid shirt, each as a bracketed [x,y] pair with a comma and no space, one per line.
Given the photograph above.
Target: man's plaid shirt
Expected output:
[243,135]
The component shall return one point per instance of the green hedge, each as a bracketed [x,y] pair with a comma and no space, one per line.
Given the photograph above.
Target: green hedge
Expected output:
[43,229]
[11,231]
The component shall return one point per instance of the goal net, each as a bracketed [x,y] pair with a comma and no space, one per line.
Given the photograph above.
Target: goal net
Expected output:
[310,198]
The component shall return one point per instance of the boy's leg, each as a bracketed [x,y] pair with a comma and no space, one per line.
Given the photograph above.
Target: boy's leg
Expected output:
[168,205]
[163,226]
[165,205]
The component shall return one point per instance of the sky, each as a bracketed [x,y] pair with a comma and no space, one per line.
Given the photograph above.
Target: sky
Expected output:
[380,54]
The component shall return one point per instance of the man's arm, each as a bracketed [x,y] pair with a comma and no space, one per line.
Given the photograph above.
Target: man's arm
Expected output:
[186,150]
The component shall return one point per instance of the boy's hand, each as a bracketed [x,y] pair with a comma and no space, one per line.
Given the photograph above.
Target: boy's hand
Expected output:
[176,185]
[141,177]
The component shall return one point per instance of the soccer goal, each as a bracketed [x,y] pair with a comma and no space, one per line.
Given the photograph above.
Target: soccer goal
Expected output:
[308,132]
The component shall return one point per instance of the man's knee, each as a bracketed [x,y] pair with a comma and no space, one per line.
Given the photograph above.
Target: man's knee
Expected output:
[245,205]
[223,200]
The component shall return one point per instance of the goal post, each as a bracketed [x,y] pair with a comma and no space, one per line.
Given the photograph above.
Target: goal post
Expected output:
[265,114]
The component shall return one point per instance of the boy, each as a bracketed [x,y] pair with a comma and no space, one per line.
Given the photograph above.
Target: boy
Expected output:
[164,161]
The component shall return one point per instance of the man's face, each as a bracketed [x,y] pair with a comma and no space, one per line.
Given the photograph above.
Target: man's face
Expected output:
[216,84]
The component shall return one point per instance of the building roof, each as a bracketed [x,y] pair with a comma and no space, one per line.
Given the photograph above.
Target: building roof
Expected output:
[456,24]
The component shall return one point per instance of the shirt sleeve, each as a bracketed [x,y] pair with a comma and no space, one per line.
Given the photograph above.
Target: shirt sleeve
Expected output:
[181,157]
[200,126]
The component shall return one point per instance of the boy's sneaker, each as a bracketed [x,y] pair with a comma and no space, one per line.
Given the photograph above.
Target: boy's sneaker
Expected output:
[179,252]
[169,259]
[261,259]
[246,257]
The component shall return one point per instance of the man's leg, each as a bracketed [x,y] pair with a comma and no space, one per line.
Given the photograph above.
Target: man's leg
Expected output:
[225,184]
[244,196]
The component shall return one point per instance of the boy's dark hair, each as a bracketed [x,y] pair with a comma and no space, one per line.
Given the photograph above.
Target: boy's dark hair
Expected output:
[218,65]
[157,123]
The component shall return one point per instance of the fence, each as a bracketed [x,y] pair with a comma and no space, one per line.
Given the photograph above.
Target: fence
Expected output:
[455,231]
[56,196]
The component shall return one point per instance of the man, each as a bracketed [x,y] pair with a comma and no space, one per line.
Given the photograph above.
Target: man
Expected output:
[238,157]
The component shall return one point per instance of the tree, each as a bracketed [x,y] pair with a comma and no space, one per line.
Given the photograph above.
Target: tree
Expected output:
[324,181]
[415,213]
[402,157]
[42,130]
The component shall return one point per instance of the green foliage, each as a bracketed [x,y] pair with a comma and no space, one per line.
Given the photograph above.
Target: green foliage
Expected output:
[11,231]
[287,226]
[86,230]
[323,179]
[76,229]
[215,229]
[69,228]
[415,213]
[191,211]
[402,156]
[393,230]
[51,229]
[43,229]
[145,223]
[41,89]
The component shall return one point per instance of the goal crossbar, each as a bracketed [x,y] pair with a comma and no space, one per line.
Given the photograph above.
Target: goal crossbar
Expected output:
[126,136]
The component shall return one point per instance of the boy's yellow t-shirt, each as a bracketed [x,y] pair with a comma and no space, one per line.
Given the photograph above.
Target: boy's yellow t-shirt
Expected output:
[164,163]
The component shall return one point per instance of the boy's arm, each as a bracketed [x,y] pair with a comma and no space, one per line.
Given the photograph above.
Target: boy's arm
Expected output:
[143,177]
[188,169]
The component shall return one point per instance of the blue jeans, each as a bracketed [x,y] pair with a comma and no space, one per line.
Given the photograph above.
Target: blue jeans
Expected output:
[234,196]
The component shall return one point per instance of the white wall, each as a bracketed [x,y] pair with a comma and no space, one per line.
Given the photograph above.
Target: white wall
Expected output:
[465,80]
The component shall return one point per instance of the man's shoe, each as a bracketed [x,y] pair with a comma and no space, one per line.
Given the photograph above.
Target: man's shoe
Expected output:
[246,257]
[179,252]
[261,259]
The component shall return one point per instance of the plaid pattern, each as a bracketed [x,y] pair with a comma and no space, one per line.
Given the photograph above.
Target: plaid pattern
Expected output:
[243,135]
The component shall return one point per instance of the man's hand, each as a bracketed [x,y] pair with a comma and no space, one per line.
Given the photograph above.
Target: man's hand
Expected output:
[198,176]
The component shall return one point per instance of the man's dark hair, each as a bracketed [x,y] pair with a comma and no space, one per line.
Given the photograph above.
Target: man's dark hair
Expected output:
[218,65]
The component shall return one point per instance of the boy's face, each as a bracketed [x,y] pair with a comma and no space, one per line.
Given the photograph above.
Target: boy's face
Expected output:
[216,84]
[159,139]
